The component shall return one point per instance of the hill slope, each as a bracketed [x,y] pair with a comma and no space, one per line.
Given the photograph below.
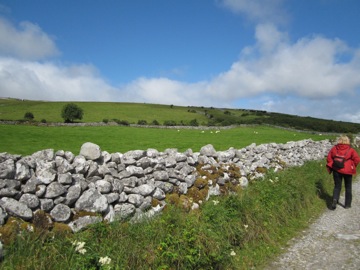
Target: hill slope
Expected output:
[134,113]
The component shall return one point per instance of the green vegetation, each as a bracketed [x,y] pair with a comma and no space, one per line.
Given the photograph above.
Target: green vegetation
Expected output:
[29,116]
[240,231]
[27,139]
[132,113]
[71,112]
[245,230]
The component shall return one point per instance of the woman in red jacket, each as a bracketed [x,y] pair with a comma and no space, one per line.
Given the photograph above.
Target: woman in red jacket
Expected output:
[352,159]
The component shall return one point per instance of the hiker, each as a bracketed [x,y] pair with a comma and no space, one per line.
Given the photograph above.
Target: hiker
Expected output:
[341,162]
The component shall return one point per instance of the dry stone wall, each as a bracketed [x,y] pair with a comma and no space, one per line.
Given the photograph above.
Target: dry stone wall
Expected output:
[121,186]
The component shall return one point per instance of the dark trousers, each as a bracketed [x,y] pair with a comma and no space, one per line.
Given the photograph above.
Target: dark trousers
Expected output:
[337,187]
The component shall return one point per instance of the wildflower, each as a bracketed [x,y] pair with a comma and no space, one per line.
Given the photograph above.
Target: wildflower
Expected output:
[215,202]
[79,247]
[246,226]
[232,253]
[104,260]
[82,251]
[271,180]
[30,228]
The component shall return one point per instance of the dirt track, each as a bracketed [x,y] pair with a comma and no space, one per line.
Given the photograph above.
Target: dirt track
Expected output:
[331,242]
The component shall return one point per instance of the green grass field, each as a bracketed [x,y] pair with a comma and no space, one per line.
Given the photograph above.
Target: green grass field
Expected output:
[25,139]
[12,109]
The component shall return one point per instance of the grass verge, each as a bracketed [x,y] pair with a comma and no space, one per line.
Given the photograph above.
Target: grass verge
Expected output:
[240,231]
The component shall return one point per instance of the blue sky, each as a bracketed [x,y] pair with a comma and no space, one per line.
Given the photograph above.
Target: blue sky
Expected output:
[288,56]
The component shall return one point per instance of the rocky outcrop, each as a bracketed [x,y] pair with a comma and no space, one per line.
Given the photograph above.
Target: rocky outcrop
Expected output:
[134,184]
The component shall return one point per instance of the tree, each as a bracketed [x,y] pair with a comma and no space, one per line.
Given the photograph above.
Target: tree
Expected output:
[70,112]
[194,123]
[29,116]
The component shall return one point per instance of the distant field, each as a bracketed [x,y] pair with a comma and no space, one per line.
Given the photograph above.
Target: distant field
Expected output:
[134,113]
[25,140]
[12,109]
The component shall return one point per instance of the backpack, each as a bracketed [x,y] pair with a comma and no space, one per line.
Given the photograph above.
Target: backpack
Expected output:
[339,161]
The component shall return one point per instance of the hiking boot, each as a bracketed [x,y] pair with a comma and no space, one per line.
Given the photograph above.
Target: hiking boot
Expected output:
[333,205]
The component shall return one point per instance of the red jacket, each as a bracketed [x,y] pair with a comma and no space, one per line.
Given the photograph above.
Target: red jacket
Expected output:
[352,158]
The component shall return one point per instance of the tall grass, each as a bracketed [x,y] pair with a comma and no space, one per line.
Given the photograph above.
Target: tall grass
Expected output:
[25,139]
[241,231]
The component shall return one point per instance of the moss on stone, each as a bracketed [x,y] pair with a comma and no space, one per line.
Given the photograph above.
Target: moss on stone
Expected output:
[61,228]
[200,183]
[9,231]
[172,198]
[42,221]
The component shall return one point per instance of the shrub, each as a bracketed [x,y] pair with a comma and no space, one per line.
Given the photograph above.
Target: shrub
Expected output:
[169,123]
[155,123]
[194,123]
[29,116]
[142,122]
[106,121]
[124,123]
[43,121]
[70,112]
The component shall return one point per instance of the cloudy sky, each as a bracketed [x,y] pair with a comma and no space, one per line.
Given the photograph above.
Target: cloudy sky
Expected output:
[288,56]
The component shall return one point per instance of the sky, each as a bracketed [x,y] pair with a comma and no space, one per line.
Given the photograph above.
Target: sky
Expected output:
[288,56]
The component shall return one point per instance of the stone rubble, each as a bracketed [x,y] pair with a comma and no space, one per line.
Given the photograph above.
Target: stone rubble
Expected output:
[121,186]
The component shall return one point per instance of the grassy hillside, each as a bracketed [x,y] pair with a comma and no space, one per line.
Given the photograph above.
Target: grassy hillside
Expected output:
[27,139]
[132,113]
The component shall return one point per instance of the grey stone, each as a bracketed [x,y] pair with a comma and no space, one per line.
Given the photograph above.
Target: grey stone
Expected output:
[93,201]
[65,178]
[90,151]
[144,190]
[54,190]
[61,213]
[135,199]
[83,222]
[208,150]
[124,211]
[161,176]
[16,208]
[7,169]
[73,194]
[135,171]
[3,216]
[40,190]
[46,204]
[31,200]
[103,186]
[22,171]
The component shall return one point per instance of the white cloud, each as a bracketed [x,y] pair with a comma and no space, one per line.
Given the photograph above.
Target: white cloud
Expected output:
[258,10]
[166,91]
[311,67]
[47,81]
[26,42]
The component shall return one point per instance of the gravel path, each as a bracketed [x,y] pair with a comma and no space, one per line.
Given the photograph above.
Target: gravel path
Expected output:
[331,242]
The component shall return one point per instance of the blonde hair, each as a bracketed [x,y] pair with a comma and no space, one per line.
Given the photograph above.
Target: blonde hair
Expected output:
[343,139]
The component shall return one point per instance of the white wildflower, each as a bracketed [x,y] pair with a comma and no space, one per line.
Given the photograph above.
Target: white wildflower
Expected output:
[104,260]
[246,226]
[215,202]
[232,253]
[30,228]
[79,247]
[82,251]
